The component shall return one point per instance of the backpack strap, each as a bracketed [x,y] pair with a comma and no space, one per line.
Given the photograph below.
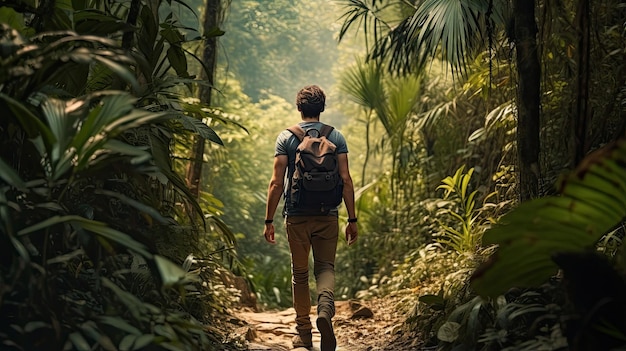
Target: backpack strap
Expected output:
[297,131]
[326,130]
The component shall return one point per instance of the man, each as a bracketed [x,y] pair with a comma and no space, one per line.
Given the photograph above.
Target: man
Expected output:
[306,230]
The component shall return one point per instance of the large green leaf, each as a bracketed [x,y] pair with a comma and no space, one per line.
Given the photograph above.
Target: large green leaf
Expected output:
[12,18]
[120,70]
[10,176]
[170,272]
[32,125]
[98,228]
[79,341]
[592,200]
[138,155]
[133,304]
[120,324]
[161,156]
[92,21]
[197,126]
[136,204]
[71,142]
[89,328]
[62,125]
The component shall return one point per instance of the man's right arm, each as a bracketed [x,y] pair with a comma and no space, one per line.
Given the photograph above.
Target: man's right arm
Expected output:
[274,193]
[348,197]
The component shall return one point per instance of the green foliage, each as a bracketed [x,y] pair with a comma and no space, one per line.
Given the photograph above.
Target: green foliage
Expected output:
[589,205]
[57,208]
[519,320]
[435,302]
[271,280]
[467,238]
[394,102]
[474,123]
[239,174]
[450,29]
[392,212]
[438,274]
[435,282]
[41,66]
[88,195]
[449,314]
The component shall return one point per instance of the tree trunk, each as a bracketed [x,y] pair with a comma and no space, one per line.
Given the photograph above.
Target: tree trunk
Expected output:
[131,20]
[45,11]
[212,19]
[528,104]
[581,114]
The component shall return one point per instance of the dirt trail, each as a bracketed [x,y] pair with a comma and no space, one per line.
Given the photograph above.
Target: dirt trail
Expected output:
[373,325]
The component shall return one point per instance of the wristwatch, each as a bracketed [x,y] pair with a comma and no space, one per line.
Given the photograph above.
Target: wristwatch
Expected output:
[352,220]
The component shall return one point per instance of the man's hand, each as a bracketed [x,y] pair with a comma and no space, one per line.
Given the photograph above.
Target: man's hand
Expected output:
[352,232]
[268,232]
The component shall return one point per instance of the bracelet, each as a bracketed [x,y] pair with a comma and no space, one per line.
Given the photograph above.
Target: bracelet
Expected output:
[269,221]
[352,220]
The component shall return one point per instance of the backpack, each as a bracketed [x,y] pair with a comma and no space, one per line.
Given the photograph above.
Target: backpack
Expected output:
[315,184]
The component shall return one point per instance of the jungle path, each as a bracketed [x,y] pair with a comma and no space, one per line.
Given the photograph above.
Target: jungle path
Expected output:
[372,325]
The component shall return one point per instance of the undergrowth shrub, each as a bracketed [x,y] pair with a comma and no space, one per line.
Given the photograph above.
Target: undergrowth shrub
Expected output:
[435,277]
[434,281]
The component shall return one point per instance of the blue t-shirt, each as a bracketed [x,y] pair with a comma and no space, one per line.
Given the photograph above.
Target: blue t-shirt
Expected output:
[286,144]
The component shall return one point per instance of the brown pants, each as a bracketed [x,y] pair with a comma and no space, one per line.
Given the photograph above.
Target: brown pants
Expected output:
[319,233]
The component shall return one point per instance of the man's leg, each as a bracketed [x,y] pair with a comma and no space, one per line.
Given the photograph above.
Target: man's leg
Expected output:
[324,243]
[298,235]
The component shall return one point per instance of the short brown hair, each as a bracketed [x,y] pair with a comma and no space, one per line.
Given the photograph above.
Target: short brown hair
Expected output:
[311,101]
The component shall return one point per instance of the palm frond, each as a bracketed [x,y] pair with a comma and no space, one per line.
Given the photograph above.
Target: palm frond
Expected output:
[451,29]
[404,95]
[365,14]
[363,84]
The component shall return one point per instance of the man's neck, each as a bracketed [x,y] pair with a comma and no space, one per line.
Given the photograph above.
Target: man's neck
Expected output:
[311,119]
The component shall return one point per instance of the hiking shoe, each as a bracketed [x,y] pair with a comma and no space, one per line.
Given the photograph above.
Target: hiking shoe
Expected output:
[325,327]
[298,341]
